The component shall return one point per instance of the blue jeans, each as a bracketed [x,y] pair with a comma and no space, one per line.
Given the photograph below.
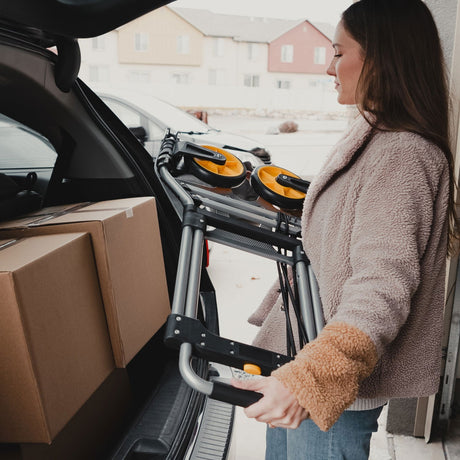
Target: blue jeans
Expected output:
[348,439]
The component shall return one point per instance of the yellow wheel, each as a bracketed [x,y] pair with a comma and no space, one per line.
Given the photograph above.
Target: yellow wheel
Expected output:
[263,181]
[230,174]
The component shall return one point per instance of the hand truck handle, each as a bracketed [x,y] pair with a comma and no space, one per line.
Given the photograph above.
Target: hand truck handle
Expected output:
[215,390]
[236,396]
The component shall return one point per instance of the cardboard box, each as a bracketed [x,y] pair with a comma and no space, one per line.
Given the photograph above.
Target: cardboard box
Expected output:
[129,259]
[54,344]
[92,431]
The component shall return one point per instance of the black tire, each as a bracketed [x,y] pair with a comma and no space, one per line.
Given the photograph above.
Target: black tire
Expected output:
[263,181]
[231,174]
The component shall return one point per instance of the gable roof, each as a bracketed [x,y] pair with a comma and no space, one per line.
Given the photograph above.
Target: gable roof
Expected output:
[326,29]
[243,28]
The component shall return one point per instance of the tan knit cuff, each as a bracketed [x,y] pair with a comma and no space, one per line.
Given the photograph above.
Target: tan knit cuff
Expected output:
[326,373]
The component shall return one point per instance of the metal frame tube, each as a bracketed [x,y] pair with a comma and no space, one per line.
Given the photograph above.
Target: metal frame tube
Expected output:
[175,187]
[193,287]
[188,374]
[316,301]
[306,307]
[182,274]
[241,208]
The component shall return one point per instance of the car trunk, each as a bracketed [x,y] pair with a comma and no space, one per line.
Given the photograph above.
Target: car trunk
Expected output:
[98,158]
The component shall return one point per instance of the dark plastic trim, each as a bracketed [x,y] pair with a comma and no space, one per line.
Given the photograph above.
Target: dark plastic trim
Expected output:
[75,18]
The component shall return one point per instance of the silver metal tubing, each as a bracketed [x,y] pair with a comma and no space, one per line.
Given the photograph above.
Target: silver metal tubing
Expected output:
[225,199]
[188,374]
[242,208]
[306,308]
[193,287]
[175,187]
[183,266]
[316,300]
[248,215]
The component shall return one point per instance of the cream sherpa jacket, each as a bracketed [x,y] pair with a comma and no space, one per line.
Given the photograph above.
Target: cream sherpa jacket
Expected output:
[375,230]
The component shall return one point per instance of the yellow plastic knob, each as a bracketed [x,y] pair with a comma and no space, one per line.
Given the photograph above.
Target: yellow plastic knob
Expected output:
[252,369]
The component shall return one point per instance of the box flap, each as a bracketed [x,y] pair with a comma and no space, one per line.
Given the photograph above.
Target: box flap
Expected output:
[122,203]
[81,212]
[40,217]
[12,260]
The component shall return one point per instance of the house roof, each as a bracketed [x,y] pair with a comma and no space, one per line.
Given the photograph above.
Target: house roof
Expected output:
[243,28]
[325,28]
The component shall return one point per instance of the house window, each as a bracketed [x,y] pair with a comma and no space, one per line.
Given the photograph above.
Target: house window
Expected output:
[283,84]
[180,78]
[216,77]
[98,43]
[139,76]
[287,53]
[183,44]
[98,73]
[212,77]
[141,41]
[251,80]
[218,47]
[252,51]
[320,55]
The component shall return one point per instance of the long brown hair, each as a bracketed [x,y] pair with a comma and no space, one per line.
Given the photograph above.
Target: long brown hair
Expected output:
[403,82]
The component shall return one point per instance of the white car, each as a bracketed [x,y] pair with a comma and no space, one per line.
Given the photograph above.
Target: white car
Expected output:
[149,117]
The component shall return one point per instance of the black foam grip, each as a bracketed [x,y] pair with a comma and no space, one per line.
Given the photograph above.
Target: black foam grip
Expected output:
[235,396]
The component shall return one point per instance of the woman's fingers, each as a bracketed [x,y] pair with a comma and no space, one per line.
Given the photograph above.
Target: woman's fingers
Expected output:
[250,384]
[278,407]
[292,421]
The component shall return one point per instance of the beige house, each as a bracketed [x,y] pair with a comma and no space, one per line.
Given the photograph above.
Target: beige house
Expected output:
[160,38]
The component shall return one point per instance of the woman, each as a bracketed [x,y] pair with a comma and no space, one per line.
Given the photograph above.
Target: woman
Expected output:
[376,229]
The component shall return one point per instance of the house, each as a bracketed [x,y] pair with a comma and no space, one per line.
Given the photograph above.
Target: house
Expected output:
[276,45]
[198,58]
[303,49]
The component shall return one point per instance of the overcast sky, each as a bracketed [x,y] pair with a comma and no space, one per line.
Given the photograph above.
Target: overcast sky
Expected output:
[317,10]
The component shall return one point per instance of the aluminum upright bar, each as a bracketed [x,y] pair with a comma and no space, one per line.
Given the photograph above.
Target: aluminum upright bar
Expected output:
[182,275]
[316,301]
[305,296]
[187,284]
[193,287]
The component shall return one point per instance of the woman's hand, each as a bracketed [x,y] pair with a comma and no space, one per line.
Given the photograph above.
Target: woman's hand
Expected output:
[278,407]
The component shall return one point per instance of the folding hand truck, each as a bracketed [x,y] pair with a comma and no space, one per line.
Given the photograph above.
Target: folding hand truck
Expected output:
[220,215]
